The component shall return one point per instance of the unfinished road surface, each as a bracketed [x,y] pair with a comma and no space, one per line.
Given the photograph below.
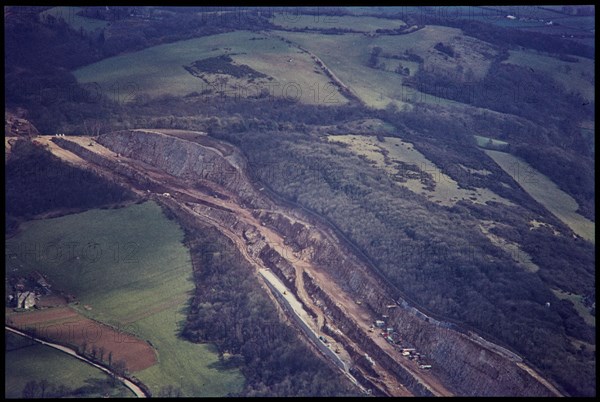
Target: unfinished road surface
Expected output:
[331,296]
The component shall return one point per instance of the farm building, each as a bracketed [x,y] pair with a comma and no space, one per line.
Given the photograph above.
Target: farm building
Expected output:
[26,299]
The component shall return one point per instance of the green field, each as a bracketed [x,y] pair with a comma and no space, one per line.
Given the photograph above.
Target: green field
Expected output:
[347,56]
[138,278]
[69,14]
[159,70]
[25,361]
[577,301]
[387,154]
[362,24]
[379,10]
[519,256]
[546,192]
[577,77]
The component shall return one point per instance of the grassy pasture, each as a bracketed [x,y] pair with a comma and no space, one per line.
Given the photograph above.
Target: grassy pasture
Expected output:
[578,343]
[25,361]
[522,258]
[67,327]
[356,23]
[392,10]
[578,304]
[139,279]
[387,155]
[546,192]
[347,56]
[69,14]
[159,70]
[577,77]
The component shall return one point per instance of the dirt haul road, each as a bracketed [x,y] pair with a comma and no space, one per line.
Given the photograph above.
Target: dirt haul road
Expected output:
[230,215]
[184,196]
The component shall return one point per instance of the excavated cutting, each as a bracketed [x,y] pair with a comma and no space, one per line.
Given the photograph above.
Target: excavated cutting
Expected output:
[208,180]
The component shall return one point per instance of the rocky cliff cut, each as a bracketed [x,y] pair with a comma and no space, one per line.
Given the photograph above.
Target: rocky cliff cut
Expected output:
[463,364]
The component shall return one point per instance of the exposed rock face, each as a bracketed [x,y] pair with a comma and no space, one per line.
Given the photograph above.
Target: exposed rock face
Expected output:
[16,125]
[463,364]
[353,331]
[282,268]
[184,159]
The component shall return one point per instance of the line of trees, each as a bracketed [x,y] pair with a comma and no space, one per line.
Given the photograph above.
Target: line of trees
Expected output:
[435,254]
[43,388]
[41,52]
[231,310]
[509,36]
[554,144]
[424,248]
[38,182]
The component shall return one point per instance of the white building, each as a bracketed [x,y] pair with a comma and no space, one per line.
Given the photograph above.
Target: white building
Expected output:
[26,300]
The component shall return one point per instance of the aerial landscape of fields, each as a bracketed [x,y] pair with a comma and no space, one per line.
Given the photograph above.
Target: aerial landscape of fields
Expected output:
[299,201]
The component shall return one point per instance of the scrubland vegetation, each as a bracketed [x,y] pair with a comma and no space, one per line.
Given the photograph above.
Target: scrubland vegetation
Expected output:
[515,91]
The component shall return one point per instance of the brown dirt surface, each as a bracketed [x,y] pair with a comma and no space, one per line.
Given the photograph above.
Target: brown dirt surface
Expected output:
[211,210]
[51,301]
[66,326]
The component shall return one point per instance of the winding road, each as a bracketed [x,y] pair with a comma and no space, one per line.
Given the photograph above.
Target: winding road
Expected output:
[133,387]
